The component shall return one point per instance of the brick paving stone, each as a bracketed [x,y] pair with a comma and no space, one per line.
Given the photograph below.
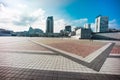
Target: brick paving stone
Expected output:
[78,49]
[116,50]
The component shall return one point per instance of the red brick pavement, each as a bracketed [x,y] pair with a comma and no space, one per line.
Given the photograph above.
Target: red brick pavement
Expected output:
[115,50]
[76,48]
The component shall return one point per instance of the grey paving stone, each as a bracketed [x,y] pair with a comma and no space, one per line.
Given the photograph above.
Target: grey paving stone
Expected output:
[58,75]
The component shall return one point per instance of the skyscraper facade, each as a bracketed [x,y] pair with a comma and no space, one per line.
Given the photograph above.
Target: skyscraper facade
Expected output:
[101,24]
[68,28]
[49,24]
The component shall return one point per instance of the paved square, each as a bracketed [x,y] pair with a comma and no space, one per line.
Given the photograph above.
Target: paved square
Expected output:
[28,63]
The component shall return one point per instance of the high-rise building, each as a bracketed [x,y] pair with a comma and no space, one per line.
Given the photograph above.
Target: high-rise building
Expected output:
[68,28]
[87,26]
[101,24]
[49,24]
[83,33]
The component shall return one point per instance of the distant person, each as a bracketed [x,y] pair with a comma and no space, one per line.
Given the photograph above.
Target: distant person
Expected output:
[91,38]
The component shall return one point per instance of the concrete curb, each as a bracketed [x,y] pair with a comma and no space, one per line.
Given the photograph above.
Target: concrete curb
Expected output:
[96,53]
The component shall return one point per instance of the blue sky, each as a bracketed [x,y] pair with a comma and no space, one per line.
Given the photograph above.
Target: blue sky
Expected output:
[18,15]
[92,8]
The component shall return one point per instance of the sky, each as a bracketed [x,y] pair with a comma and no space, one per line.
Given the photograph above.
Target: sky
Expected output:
[19,15]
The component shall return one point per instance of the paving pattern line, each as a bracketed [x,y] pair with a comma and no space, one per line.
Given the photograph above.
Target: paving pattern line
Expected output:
[26,51]
[114,55]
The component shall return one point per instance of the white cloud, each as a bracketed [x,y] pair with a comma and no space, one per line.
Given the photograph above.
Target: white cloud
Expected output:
[41,24]
[7,15]
[18,14]
[38,13]
[17,19]
[59,25]
[2,7]
[30,18]
[113,24]
[23,6]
